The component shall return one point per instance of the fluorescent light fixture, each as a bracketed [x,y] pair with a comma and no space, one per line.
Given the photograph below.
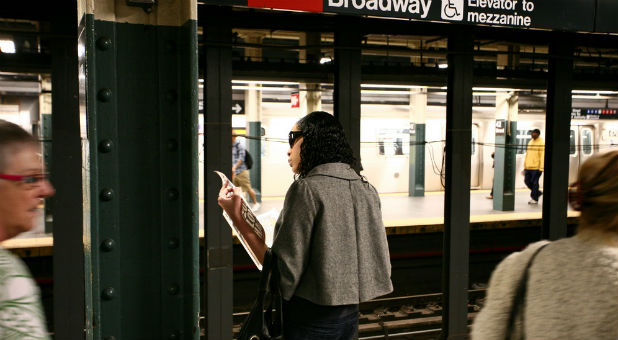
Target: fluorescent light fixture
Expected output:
[495,89]
[384,92]
[7,46]
[442,65]
[266,89]
[593,92]
[479,94]
[264,82]
[583,96]
[325,60]
[384,86]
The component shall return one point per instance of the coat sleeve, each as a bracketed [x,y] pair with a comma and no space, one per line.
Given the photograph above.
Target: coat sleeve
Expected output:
[491,322]
[542,156]
[293,239]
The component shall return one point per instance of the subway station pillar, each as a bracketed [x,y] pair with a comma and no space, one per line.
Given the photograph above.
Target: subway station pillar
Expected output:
[138,104]
[505,151]
[347,92]
[310,95]
[310,98]
[253,112]
[218,252]
[456,243]
[418,108]
[556,180]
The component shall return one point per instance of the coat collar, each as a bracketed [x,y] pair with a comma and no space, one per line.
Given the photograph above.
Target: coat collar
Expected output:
[337,170]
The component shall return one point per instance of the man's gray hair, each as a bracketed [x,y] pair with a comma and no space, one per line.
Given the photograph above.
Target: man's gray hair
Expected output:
[10,135]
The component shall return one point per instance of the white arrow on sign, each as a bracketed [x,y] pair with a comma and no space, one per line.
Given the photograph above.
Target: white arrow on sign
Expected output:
[237,108]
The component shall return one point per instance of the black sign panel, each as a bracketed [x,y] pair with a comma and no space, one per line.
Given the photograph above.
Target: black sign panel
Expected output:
[568,15]
[607,16]
[594,114]
[553,14]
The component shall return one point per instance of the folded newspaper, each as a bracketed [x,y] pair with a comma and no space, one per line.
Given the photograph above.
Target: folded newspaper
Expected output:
[266,234]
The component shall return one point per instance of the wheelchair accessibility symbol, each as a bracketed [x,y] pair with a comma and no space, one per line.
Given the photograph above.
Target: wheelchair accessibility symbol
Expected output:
[452,9]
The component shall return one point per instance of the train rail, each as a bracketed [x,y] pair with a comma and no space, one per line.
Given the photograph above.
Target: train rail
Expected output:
[409,317]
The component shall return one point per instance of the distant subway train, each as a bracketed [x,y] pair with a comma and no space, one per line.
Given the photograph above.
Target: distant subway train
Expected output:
[385,145]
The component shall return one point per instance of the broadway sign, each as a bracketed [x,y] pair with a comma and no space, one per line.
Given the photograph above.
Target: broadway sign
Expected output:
[569,15]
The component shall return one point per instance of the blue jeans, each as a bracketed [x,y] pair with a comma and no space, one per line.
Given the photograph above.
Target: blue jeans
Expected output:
[531,178]
[304,320]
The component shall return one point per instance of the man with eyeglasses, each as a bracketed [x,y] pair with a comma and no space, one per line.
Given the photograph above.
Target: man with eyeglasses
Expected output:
[23,186]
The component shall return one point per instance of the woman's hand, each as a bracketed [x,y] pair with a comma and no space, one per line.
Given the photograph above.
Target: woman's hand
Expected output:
[230,200]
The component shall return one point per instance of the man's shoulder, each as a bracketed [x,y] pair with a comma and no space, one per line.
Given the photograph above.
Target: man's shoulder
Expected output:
[11,264]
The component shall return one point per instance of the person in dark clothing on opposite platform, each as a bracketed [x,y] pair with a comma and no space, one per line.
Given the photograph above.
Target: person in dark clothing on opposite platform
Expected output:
[329,239]
[240,172]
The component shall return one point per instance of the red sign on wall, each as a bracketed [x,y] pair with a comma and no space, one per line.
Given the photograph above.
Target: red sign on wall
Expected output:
[295,100]
[305,5]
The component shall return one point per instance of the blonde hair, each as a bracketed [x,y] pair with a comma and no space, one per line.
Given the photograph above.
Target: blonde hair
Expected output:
[598,192]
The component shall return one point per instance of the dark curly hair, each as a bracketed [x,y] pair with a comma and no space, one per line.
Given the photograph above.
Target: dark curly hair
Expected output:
[323,142]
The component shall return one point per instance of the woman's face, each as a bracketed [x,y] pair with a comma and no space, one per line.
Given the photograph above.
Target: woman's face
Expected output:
[294,152]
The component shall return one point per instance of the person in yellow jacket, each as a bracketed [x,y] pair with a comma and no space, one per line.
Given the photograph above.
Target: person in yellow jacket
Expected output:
[534,165]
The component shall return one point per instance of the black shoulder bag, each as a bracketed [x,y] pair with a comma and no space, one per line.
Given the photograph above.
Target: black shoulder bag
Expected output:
[265,321]
[519,301]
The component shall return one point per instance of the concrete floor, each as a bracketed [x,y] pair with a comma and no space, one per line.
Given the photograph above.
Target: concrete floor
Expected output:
[401,210]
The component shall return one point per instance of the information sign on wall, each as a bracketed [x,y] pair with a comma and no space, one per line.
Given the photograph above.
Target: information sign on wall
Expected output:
[571,15]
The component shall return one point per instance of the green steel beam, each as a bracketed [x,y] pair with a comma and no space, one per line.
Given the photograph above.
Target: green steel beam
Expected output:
[556,176]
[255,148]
[457,195]
[141,149]
[416,186]
[218,277]
[504,166]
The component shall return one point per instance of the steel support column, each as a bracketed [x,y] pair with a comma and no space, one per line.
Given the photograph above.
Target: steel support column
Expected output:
[347,94]
[558,120]
[66,168]
[139,100]
[218,156]
[457,196]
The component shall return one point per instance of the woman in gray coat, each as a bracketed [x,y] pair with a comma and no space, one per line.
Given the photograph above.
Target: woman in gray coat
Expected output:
[329,239]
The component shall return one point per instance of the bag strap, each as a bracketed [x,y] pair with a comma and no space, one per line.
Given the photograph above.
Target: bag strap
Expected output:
[269,285]
[519,299]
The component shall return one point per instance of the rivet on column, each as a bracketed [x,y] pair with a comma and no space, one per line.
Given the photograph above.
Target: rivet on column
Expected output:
[172,243]
[104,95]
[106,145]
[107,194]
[104,43]
[172,145]
[172,194]
[108,245]
[108,293]
[173,289]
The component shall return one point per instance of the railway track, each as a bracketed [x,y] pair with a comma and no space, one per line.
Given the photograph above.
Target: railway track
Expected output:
[407,317]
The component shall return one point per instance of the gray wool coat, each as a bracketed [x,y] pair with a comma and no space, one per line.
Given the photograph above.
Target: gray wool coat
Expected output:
[330,239]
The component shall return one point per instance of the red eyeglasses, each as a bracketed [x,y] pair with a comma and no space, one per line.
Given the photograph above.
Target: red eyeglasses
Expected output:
[31,180]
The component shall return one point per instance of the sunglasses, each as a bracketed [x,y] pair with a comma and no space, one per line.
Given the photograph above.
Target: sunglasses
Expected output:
[293,136]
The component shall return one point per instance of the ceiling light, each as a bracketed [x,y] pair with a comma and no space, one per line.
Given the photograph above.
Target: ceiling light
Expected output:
[593,92]
[383,86]
[7,46]
[266,89]
[264,82]
[325,60]
[443,65]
